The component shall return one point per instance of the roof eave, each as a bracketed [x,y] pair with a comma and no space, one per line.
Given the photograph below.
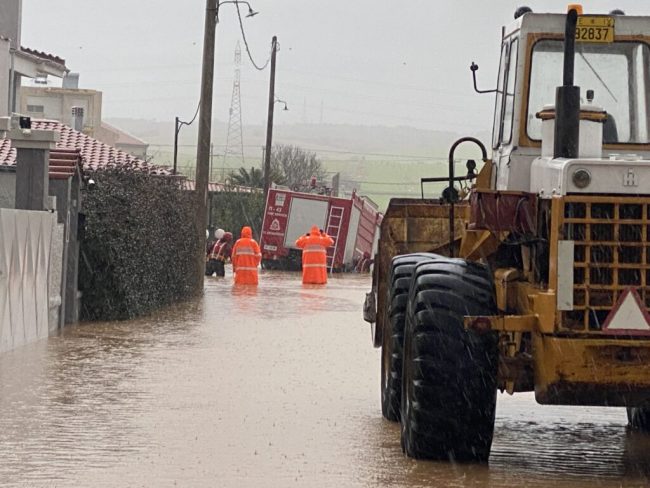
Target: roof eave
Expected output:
[32,66]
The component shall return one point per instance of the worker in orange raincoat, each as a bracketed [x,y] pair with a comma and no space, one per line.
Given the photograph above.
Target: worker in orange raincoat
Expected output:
[246,256]
[314,256]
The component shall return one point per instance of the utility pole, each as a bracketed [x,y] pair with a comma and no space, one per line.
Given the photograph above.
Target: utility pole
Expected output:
[203,144]
[269,124]
[211,166]
[176,129]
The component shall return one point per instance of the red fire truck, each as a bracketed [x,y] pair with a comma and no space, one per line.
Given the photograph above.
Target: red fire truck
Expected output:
[353,223]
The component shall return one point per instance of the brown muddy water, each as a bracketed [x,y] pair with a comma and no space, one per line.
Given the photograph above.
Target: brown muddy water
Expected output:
[273,387]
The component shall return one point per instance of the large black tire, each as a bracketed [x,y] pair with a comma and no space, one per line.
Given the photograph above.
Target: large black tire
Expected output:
[639,419]
[399,279]
[449,374]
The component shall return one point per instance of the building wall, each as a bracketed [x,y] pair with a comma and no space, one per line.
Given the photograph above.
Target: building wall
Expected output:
[25,292]
[5,73]
[10,20]
[121,140]
[139,151]
[57,103]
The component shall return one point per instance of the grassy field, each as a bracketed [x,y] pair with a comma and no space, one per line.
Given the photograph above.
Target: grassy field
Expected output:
[379,162]
[378,179]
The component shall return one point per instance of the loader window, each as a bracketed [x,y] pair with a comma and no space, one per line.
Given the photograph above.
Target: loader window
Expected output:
[617,72]
[498,105]
[509,95]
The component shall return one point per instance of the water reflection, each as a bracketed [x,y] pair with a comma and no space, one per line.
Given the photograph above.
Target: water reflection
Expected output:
[270,386]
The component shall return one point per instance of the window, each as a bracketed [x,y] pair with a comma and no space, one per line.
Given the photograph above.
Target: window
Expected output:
[616,72]
[498,105]
[35,109]
[509,96]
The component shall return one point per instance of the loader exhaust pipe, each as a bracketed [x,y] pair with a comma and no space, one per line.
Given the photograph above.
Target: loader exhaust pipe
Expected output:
[567,98]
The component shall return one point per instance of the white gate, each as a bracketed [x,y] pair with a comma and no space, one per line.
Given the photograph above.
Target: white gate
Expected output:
[25,252]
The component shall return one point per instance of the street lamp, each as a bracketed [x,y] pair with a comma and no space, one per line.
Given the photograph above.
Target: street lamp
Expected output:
[205,126]
[251,12]
[277,100]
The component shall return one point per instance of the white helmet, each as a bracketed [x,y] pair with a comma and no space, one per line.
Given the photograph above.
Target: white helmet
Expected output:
[219,233]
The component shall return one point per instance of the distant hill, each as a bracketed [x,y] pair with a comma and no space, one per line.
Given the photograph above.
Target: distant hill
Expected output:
[338,138]
[375,160]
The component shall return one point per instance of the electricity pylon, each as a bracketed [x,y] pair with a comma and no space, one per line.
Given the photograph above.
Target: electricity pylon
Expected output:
[235,140]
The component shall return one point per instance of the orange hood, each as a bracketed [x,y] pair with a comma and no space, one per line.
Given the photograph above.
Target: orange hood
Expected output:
[246,232]
[314,231]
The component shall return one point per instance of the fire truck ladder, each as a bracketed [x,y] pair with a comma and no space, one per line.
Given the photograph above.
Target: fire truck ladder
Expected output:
[334,222]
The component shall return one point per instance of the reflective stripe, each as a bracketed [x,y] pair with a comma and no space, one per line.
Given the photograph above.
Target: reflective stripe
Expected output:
[246,252]
[314,266]
[245,268]
[314,248]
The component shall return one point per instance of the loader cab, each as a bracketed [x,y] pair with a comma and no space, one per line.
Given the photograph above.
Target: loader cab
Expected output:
[616,70]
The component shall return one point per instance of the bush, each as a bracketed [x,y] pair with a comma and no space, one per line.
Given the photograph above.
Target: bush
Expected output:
[139,246]
[231,211]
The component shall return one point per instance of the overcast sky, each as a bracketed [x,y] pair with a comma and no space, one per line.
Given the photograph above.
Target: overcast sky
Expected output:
[370,62]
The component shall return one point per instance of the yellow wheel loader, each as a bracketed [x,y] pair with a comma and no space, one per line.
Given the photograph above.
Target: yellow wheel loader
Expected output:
[538,277]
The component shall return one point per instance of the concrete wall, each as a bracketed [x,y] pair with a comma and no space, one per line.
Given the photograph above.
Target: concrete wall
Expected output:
[7,189]
[26,266]
[55,278]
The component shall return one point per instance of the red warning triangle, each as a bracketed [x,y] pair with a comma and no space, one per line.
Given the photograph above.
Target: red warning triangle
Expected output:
[629,316]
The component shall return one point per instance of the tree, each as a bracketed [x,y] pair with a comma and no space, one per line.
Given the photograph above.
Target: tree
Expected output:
[253,178]
[231,210]
[296,165]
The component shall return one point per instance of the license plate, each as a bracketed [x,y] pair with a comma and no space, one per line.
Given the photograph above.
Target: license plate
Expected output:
[595,29]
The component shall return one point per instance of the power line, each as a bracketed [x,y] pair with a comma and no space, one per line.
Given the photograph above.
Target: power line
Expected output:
[243,35]
[334,151]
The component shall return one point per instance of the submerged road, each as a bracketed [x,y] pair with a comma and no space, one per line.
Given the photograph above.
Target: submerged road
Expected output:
[273,387]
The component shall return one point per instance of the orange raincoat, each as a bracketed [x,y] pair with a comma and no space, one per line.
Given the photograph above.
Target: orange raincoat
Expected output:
[245,258]
[314,256]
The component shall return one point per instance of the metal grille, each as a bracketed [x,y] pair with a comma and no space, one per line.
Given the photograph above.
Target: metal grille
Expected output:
[610,255]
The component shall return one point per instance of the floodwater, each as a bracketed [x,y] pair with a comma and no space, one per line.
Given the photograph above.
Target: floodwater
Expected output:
[272,387]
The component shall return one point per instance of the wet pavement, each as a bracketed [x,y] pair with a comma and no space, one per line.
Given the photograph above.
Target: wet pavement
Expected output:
[272,387]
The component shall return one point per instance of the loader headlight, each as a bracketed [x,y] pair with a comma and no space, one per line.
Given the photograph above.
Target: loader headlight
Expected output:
[581,178]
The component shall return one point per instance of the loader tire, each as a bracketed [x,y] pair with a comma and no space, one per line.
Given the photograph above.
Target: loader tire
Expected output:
[449,373]
[639,418]
[399,278]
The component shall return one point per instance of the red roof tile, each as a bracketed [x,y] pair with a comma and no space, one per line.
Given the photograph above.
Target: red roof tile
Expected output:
[95,155]
[64,163]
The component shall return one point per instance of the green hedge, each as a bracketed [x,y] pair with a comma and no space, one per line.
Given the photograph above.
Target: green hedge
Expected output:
[231,211]
[138,247]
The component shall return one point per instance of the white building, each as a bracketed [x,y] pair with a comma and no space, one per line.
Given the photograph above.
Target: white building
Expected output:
[19,61]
